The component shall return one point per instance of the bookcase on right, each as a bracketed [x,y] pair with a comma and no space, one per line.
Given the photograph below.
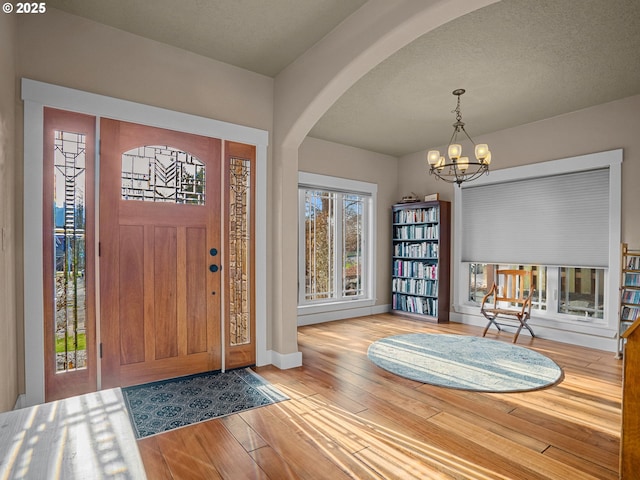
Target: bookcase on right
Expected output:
[629,293]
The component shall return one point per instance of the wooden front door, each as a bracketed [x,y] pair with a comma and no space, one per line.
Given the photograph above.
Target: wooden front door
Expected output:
[160,253]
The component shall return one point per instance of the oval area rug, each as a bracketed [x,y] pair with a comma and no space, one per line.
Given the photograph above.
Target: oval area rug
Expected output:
[464,362]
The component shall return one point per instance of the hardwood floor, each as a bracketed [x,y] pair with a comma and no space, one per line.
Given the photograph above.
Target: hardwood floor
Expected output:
[348,418]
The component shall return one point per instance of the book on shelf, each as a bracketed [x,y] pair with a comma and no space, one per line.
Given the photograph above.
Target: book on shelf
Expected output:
[631,279]
[421,305]
[410,268]
[630,314]
[418,215]
[634,263]
[415,286]
[631,296]
[416,250]
[416,232]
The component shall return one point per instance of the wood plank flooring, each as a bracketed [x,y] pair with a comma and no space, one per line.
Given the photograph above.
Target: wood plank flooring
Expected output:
[348,418]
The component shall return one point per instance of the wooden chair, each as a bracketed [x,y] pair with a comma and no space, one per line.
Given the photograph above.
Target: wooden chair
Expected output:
[509,297]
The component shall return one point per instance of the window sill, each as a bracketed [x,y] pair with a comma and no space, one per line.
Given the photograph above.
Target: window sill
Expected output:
[567,323]
[334,306]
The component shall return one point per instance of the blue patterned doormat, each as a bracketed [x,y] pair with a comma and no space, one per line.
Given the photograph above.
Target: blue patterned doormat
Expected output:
[167,404]
[466,363]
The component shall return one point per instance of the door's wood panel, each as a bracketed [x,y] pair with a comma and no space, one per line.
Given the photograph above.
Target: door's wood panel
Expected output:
[131,305]
[196,292]
[160,214]
[165,293]
[181,291]
[163,368]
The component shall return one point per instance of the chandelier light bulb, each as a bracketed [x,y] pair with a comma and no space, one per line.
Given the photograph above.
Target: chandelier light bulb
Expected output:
[433,157]
[463,164]
[487,159]
[455,150]
[482,150]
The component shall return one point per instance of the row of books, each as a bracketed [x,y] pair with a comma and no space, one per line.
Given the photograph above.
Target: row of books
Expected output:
[415,286]
[421,305]
[409,268]
[632,279]
[416,232]
[634,263]
[416,250]
[630,313]
[416,215]
[631,296]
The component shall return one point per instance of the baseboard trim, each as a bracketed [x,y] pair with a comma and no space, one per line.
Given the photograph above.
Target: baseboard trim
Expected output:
[313,318]
[286,360]
[21,402]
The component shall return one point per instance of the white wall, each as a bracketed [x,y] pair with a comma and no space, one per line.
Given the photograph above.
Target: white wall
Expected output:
[70,51]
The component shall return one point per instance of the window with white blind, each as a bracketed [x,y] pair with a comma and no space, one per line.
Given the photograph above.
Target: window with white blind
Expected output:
[335,256]
[560,219]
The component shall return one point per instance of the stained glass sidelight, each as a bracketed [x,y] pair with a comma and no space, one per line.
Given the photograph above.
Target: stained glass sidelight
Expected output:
[69,236]
[239,253]
[162,174]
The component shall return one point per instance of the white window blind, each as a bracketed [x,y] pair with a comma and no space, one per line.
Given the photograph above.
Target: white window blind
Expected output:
[560,220]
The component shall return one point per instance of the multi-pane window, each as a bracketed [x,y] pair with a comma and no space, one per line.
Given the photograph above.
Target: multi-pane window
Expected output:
[578,292]
[333,247]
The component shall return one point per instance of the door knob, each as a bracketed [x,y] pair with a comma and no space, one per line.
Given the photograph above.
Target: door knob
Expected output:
[213,268]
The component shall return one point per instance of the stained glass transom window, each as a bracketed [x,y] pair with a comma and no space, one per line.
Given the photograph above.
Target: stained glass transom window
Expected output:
[70,251]
[239,253]
[156,173]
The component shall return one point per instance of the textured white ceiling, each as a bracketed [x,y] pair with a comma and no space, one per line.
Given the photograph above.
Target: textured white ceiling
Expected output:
[263,36]
[519,60]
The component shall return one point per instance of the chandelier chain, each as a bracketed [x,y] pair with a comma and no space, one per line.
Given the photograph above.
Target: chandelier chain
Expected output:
[457,112]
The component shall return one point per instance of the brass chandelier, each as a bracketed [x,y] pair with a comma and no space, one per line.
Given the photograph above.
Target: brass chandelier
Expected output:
[458,169]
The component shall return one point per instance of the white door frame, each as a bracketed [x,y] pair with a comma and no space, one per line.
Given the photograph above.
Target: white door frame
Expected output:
[37,95]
